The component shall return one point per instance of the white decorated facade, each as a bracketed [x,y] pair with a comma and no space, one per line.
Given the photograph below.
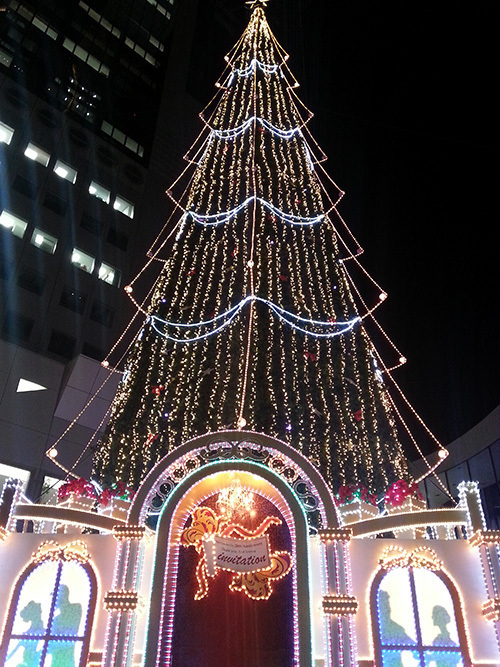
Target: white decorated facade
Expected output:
[86,587]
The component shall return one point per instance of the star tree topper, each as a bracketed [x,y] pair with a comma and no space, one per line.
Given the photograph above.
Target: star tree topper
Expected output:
[253,4]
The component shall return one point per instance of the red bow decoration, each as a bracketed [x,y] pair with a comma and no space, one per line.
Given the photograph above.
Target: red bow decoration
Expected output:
[358,415]
[310,355]
[157,389]
[191,273]
[332,320]
[283,278]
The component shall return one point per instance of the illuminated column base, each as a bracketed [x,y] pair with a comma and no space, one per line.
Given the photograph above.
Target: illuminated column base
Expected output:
[491,609]
[122,602]
[340,605]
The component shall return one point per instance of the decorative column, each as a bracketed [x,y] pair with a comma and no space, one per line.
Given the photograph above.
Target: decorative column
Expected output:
[487,542]
[339,603]
[122,601]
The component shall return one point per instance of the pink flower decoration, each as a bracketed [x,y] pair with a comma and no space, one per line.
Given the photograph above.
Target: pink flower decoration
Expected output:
[399,491]
[78,487]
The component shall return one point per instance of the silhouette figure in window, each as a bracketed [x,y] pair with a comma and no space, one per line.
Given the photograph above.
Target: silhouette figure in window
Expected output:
[31,613]
[441,620]
[391,632]
[66,623]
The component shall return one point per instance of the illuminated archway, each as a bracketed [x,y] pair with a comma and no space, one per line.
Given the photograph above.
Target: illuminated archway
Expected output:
[194,491]
[288,464]
[197,471]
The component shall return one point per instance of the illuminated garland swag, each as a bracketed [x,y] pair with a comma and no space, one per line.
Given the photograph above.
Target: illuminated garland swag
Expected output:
[252,321]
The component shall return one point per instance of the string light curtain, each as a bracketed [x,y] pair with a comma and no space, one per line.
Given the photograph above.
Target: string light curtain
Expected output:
[253,322]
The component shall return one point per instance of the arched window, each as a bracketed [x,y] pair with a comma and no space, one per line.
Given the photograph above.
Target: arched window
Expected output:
[51,610]
[417,619]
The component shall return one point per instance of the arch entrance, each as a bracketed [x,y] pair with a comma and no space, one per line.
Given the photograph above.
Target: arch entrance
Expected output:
[236,516]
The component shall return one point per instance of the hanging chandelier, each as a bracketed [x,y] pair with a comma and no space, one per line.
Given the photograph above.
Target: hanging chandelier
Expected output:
[234,499]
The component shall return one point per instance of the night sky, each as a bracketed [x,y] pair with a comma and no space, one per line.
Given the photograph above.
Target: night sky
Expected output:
[406,108]
[404,97]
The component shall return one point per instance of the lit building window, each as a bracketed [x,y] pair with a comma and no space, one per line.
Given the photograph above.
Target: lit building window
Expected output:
[124,207]
[5,58]
[44,241]
[141,52]
[44,27]
[100,192]
[82,260]
[11,472]
[50,486]
[13,223]
[84,55]
[24,12]
[65,171]
[100,19]
[160,8]
[109,274]
[132,145]
[37,154]
[107,127]
[35,20]
[156,43]
[6,134]
[121,137]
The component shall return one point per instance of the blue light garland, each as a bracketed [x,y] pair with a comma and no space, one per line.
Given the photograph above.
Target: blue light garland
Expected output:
[295,321]
[225,216]
[232,133]
[235,132]
[250,69]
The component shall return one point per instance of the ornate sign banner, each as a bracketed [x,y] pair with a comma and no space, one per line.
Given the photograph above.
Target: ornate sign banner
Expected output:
[247,555]
[236,555]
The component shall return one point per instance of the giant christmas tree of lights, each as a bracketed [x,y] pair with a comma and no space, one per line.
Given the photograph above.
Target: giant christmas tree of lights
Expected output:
[255,321]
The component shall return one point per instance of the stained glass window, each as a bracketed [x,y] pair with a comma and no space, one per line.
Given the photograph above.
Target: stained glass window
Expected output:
[50,616]
[417,622]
